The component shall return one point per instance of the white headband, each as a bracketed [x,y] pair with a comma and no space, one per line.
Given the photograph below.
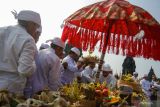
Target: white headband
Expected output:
[28,15]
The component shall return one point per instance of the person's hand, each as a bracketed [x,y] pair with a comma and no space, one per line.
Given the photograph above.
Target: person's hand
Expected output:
[84,66]
[65,65]
[79,65]
[78,78]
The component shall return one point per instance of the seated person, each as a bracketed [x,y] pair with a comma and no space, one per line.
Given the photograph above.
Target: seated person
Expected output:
[87,73]
[107,76]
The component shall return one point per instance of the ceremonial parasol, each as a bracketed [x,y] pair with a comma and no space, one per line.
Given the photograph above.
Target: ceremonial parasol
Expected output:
[120,27]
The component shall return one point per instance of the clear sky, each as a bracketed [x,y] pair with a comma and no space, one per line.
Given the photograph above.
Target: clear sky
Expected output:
[53,12]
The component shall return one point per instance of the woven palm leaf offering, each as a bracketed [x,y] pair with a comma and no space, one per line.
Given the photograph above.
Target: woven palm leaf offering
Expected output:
[90,59]
[34,103]
[128,86]
[88,90]
[105,96]
[139,99]
[79,95]
[8,99]
[46,95]
[72,92]
[45,98]
[4,98]
[128,80]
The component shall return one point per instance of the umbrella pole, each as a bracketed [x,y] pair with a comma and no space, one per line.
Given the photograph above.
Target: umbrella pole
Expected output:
[100,66]
[103,53]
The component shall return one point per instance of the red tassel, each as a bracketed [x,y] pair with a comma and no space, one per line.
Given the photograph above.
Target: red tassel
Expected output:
[64,36]
[117,43]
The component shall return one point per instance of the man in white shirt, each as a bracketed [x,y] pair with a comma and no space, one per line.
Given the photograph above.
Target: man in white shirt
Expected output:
[80,64]
[88,72]
[70,66]
[106,76]
[18,48]
[146,85]
[48,71]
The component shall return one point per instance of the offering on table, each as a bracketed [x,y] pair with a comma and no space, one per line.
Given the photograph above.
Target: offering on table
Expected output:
[128,80]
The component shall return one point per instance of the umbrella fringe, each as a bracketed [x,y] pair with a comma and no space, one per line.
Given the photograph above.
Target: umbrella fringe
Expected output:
[118,44]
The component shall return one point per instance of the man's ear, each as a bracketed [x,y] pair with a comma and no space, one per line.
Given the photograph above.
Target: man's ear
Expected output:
[52,45]
[29,27]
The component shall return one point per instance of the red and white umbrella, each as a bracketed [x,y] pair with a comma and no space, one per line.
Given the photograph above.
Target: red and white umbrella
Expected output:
[120,27]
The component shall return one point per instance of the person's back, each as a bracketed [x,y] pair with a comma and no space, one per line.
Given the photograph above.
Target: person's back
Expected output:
[47,74]
[17,44]
[12,42]
[45,61]
[3,37]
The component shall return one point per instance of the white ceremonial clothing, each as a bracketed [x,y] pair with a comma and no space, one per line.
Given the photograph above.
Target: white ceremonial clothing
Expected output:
[87,73]
[146,86]
[48,72]
[135,79]
[68,75]
[157,86]
[17,53]
[110,80]
[79,73]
